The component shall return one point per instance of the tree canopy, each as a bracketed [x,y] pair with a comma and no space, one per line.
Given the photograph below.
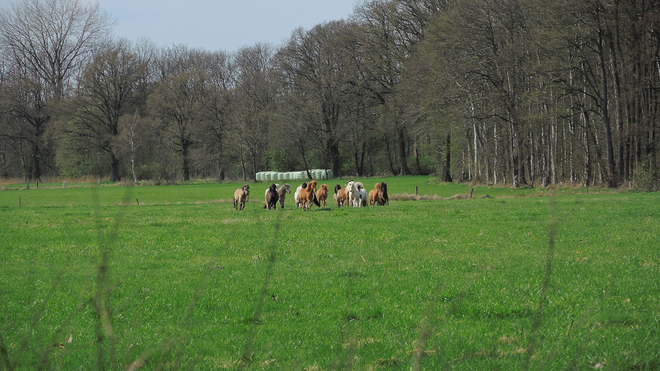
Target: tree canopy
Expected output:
[515,92]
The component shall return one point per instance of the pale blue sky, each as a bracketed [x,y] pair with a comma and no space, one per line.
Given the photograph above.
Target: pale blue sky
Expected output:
[221,24]
[218,24]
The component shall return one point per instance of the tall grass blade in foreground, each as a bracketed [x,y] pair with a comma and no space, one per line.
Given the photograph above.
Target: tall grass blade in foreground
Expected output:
[538,318]
[248,350]
[103,295]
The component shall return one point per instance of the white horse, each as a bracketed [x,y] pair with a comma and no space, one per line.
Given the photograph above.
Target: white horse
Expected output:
[363,194]
[354,193]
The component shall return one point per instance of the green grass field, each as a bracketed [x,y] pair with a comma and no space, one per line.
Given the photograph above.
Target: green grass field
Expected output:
[172,277]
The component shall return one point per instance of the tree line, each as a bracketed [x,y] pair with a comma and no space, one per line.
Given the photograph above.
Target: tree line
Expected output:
[515,92]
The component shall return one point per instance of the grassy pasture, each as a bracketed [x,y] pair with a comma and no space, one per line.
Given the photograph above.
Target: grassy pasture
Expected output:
[90,279]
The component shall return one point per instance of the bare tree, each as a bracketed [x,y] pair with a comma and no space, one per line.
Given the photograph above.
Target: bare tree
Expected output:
[132,137]
[109,88]
[178,104]
[254,104]
[392,29]
[47,43]
[316,68]
[218,108]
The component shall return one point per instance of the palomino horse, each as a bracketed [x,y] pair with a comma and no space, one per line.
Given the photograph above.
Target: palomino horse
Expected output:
[282,191]
[240,195]
[307,195]
[271,197]
[322,194]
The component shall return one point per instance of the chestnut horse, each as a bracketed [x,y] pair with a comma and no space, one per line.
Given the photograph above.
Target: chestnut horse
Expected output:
[240,195]
[322,194]
[295,196]
[373,195]
[271,197]
[341,195]
[307,195]
[379,195]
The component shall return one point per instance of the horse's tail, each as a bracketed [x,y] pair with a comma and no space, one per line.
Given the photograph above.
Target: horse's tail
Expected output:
[316,200]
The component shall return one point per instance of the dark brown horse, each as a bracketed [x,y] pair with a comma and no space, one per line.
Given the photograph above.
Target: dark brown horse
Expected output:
[271,197]
[382,195]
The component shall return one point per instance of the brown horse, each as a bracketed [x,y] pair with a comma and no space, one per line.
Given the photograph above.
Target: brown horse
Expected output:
[307,195]
[295,195]
[341,195]
[322,194]
[240,196]
[379,195]
[373,195]
[271,197]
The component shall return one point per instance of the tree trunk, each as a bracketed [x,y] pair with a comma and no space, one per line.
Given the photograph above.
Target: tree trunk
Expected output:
[186,161]
[115,168]
[389,156]
[447,170]
[334,157]
[611,171]
[495,157]
[36,160]
[403,159]
[133,169]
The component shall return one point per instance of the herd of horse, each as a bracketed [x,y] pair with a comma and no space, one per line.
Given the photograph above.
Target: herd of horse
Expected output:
[307,194]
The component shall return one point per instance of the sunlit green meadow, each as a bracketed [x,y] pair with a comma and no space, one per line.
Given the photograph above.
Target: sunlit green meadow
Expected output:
[172,277]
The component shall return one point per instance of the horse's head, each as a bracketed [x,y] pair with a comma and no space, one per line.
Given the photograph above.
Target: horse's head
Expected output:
[304,185]
[246,189]
[287,187]
[324,187]
[312,185]
[273,188]
[337,188]
[378,186]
